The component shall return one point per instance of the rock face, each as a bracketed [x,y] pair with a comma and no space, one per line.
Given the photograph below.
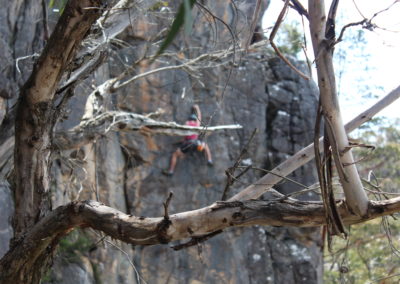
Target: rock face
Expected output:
[262,93]
[6,211]
[124,170]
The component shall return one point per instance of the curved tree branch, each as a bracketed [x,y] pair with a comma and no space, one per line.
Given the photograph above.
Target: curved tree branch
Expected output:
[161,230]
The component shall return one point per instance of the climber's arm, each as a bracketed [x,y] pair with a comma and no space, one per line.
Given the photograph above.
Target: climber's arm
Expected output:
[196,110]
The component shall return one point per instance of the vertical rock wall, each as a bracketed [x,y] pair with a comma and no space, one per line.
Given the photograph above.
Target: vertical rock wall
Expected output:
[263,93]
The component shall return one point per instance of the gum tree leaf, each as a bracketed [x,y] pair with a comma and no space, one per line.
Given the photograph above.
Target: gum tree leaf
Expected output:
[182,18]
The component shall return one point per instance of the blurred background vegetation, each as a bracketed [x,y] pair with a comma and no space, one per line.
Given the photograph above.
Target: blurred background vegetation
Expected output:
[371,254]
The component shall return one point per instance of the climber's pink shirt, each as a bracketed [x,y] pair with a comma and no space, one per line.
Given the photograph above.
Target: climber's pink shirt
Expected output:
[192,123]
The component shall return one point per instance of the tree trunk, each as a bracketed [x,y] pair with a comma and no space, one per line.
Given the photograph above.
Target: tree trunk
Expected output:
[322,35]
[35,118]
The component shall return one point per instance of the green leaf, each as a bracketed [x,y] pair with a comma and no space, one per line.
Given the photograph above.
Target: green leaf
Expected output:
[183,17]
[188,16]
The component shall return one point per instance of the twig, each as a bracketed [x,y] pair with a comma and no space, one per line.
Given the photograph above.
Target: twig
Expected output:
[306,154]
[385,278]
[197,240]
[233,45]
[340,38]
[103,238]
[377,186]
[230,172]
[281,176]
[384,10]
[166,204]
[388,232]
[231,179]
[253,23]
[271,39]
[379,192]
[359,11]
[296,5]
[304,48]
[118,85]
[23,58]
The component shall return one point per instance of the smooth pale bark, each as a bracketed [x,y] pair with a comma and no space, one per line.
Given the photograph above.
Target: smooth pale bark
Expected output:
[307,154]
[356,197]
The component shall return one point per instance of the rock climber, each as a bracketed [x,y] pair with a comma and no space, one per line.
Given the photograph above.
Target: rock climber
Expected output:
[190,144]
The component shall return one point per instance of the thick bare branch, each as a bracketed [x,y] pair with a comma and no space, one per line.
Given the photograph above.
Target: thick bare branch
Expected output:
[99,125]
[161,230]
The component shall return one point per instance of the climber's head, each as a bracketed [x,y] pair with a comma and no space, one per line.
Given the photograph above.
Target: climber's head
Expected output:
[192,117]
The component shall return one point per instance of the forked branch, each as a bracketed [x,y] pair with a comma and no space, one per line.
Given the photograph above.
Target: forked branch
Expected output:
[322,35]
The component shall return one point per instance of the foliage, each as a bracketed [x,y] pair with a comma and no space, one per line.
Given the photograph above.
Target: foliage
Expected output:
[370,254]
[182,18]
[366,256]
[290,39]
[76,243]
[382,166]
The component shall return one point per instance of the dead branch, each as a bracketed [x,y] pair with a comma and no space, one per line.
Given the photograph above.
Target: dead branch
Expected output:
[197,240]
[217,216]
[231,171]
[194,224]
[89,130]
[254,21]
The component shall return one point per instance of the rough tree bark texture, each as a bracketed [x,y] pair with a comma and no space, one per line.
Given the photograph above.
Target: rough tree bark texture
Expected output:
[35,118]
[37,114]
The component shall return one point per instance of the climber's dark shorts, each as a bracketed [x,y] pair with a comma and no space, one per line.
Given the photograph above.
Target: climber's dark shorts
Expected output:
[190,146]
